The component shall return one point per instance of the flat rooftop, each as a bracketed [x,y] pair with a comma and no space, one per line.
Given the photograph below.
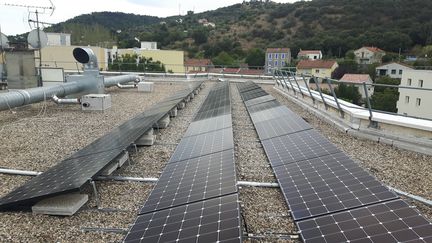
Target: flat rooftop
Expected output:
[38,136]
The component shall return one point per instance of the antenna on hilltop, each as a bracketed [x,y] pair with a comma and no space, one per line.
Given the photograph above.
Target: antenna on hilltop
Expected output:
[36,10]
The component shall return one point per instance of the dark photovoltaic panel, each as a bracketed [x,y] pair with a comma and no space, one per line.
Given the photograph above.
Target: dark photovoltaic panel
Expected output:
[259,100]
[75,171]
[272,113]
[281,126]
[392,221]
[328,184]
[224,110]
[264,106]
[203,144]
[208,125]
[193,180]
[253,94]
[331,198]
[214,220]
[297,146]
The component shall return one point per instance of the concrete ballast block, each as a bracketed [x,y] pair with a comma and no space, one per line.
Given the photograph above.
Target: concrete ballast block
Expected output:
[173,112]
[181,105]
[65,205]
[147,139]
[163,123]
[145,86]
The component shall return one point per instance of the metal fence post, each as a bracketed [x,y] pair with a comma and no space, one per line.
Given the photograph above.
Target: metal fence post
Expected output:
[298,86]
[371,123]
[320,92]
[288,78]
[335,98]
[307,86]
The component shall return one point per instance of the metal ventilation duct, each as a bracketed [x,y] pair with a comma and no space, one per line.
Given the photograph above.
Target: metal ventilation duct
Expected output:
[89,82]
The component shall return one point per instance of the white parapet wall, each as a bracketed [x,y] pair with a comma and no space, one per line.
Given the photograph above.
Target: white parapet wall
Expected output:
[403,132]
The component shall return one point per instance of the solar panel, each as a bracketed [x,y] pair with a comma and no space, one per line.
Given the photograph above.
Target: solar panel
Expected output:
[272,113]
[253,94]
[297,146]
[281,126]
[75,171]
[328,184]
[203,144]
[224,110]
[214,220]
[263,106]
[243,87]
[392,221]
[208,125]
[259,100]
[193,180]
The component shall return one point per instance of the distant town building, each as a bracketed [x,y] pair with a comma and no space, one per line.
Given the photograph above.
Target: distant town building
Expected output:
[416,102]
[310,54]
[277,58]
[210,24]
[393,69]
[369,55]
[59,39]
[358,80]
[317,68]
[148,45]
[198,65]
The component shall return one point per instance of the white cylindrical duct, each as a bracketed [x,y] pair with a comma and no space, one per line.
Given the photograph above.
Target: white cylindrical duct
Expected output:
[113,81]
[59,101]
[16,98]
[126,86]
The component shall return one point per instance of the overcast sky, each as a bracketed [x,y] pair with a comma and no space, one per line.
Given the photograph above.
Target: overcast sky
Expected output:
[13,20]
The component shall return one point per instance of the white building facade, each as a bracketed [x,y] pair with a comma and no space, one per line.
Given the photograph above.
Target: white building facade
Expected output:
[393,70]
[277,58]
[416,102]
[310,54]
[59,39]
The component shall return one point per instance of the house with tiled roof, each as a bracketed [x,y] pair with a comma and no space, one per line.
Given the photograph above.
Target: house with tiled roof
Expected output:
[392,69]
[198,65]
[276,58]
[317,68]
[369,55]
[357,80]
[310,54]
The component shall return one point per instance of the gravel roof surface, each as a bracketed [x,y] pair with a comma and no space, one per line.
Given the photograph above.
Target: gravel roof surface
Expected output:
[38,136]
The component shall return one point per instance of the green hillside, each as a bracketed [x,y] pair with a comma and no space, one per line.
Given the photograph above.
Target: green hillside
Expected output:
[334,26]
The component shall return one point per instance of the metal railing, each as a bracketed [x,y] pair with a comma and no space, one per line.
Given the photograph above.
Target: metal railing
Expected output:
[290,81]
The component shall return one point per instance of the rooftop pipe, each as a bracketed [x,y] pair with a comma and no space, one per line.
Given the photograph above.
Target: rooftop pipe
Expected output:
[86,84]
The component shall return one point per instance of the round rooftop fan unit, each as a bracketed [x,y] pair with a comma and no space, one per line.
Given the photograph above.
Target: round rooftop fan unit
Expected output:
[33,40]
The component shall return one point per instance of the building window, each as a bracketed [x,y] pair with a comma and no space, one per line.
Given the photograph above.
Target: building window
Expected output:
[400,72]
[418,102]
[406,99]
[409,81]
[317,71]
[270,63]
[283,55]
[276,56]
[315,57]
[283,63]
[420,83]
[276,63]
[393,71]
[270,56]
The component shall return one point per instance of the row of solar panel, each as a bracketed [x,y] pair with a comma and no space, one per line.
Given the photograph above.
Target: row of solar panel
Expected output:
[331,198]
[75,171]
[195,198]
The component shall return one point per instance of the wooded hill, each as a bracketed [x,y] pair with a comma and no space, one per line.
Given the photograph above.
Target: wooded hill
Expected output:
[333,26]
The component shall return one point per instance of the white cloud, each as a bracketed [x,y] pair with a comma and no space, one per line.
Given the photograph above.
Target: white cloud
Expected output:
[13,20]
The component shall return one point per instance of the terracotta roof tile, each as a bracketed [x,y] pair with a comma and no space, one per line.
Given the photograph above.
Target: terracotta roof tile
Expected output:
[278,50]
[356,78]
[198,62]
[306,64]
[306,52]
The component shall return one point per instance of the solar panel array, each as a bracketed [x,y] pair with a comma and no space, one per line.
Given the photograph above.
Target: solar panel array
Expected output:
[74,172]
[331,198]
[195,198]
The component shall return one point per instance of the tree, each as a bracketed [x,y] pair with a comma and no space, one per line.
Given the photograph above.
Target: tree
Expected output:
[223,59]
[200,36]
[385,98]
[345,66]
[255,58]
[349,93]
